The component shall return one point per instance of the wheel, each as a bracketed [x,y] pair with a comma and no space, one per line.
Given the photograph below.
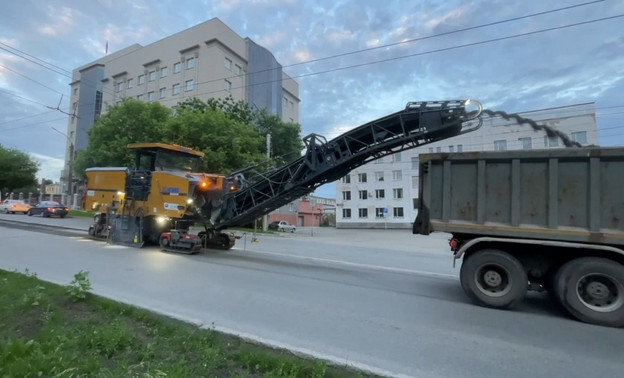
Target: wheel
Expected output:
[30,214]
[592,290]
[163,242]
[6,211]
[280,229]
[292,230]
[493,278]
[62,216]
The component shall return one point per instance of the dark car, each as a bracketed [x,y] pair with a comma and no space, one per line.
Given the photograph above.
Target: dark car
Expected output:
[48,208]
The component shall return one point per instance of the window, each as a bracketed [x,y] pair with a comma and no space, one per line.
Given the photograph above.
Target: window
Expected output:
[346,179]
[451,148]
[163,72]
[397,193]
[415,162]
[438,149]
[346,213]
[152,75]
[396,157]
[346,195]
[379,212]
[551,141]
[130,83]
[460,147]
[140,97]
[228,63]
[120,86]
[291,104]
[525,143]
[500,145]
[151,96]
[190,63]
[379,176]
[397,212]
[363,213]
[397,175]
[430,150]
[380,193]
[414,182]
[361,177]
[237,69]
[177,67]
[363,194]
[75,91]
[580,137]
[415,203]
[189,85]
[163,92]
[176,89]
[227,85]
[291,207]
[141,79]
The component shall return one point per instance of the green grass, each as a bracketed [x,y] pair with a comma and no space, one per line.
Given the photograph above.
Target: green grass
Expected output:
[47,330]
[80,213]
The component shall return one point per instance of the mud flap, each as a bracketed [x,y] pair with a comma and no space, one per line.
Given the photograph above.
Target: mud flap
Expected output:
[127,230]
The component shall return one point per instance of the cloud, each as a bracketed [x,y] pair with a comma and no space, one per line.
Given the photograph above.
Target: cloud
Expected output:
[49,167]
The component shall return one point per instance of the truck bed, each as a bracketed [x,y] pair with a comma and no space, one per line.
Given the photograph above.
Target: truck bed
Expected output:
[571,194]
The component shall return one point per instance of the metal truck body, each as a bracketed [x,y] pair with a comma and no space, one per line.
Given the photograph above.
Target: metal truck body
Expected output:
[532,219]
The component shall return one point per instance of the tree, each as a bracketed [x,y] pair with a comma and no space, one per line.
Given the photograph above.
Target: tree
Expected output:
[286,143]
[18,169]
[131,121]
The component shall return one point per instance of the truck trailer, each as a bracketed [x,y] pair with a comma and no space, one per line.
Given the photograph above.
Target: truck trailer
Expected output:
[532,220]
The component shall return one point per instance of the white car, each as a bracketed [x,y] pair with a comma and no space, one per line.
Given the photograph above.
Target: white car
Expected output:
[282,226]
[14,206]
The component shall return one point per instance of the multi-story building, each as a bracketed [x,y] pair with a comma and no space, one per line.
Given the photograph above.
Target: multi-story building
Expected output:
[384,193]
[307,211]
[206,61]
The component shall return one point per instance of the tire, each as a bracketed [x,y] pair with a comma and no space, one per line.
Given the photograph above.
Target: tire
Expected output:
[592,290]
[493,278]
[163,242]
[30,214]
[6,211]
[292,230]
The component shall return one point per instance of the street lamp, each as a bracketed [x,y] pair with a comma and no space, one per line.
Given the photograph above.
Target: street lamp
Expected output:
[70,162]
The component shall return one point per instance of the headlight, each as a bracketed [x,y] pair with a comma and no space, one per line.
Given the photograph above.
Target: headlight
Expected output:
[161,220]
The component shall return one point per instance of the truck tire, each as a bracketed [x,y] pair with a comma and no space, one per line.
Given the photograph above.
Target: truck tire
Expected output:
[592,290]
[493,278]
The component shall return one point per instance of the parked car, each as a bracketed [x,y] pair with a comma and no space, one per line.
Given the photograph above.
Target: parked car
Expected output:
[282,226]
[14,206]
[48,208]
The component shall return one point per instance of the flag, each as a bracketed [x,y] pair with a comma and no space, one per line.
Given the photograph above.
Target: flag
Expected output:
[106,48]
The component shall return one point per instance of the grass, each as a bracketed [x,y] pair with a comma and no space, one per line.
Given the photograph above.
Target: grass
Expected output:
[53,331]
[80,214]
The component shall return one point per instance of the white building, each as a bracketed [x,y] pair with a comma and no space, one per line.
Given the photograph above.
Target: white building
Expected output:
[206,61]
[384,193]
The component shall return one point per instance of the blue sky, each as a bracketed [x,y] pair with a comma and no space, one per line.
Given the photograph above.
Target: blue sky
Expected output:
[355,60]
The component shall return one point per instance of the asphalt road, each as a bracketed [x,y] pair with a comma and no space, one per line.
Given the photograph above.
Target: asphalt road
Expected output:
[383,300]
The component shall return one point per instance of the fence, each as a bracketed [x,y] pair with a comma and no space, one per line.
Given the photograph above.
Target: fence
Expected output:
[73,202]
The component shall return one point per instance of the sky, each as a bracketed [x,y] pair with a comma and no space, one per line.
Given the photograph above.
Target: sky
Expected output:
[354,60]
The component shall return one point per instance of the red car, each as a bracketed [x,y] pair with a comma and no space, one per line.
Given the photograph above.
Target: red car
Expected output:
[49,208]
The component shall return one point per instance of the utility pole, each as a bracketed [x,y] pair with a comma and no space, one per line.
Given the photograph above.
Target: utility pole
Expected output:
[265,218]
[70,184]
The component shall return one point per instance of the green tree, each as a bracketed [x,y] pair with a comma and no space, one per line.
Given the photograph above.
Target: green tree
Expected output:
[131,121]
[286,143]
[18,169]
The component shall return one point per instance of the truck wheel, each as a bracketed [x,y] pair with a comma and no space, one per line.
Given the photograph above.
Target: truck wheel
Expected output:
[493,278]
[592,290]
[164,242]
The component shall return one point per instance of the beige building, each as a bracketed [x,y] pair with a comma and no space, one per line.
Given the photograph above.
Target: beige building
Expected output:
[206,61]
[384,193]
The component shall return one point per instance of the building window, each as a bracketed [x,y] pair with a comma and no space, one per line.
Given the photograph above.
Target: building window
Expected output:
[363,194]
[291,207]
[189,85]
[228,64]
[460,147]
[75,91]
[430,150]
[227,85]
[414,182]
[397,175]
[397,193]
[526,143]
[130,83]
[141,79]
[361,177]
[237,69]
[176,89]
[451,148]
[379,212]
[346,213]
[380,193]
[140,97]
[500,145]
[415,203]
[397,212]
[415,162]
[551,141]
[438,149]
[151,96]
[346,195]
[120,86]
[379,176]
[363,213]
[346,179]
[396,157]
[177,67]
[291,104]
[190,63]
[580,137]
[163,72]
[379,161]
[152,75]
[163,92]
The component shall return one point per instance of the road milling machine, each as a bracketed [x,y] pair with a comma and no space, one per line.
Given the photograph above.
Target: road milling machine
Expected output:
[163,195]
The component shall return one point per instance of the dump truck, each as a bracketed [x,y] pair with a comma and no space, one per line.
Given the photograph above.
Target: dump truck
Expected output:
[532,220]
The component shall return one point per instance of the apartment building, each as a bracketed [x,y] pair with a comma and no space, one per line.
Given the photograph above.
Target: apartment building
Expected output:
[206,61]
[384,193]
